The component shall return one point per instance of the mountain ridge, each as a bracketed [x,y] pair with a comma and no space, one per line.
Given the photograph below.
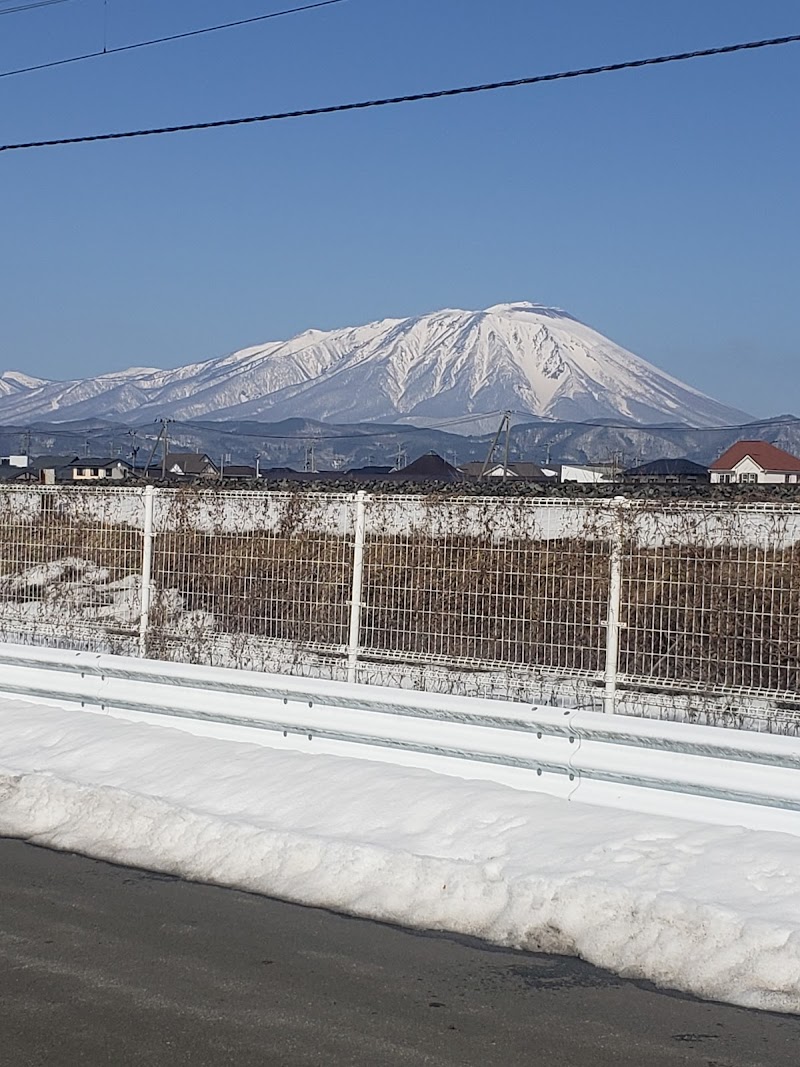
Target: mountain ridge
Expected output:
[535,360]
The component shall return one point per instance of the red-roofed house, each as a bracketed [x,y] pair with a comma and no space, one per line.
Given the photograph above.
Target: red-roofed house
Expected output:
[755,461]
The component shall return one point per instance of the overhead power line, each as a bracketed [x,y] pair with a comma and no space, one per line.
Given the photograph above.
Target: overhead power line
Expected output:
[536,421]
[409,98]
[30,6]
[163,40]
[366,433]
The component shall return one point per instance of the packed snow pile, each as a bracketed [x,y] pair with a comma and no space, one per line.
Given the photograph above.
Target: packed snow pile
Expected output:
[75,592]
[709,910]
[73,585]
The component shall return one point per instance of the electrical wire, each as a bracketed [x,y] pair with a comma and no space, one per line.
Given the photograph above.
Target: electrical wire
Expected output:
[30,6]
[165,40]
[789,420]
[211,427]
[409,98]
[397,430]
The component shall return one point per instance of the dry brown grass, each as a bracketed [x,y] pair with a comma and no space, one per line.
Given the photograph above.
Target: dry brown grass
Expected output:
[716,616]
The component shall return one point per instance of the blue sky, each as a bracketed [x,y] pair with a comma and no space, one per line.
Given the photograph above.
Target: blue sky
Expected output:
[660,206]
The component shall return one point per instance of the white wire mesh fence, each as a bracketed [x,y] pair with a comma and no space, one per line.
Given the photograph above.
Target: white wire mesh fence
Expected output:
[488,582]
[70,568]
[711,598]
[246,577]
[508,597]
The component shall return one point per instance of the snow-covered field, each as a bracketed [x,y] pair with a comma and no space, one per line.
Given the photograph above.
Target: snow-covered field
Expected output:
[710,910]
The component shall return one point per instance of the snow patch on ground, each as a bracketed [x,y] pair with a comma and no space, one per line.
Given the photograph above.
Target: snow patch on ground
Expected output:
[713,911]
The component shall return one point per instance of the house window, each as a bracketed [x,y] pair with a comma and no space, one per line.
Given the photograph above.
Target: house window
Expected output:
[109,472]
[726,479]
[748,478]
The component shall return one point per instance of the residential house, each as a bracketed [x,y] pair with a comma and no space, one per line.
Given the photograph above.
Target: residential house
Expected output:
[585,473]
[10,472]
[51,469]
[239,472]
[428,468]
[668,471]
[755,462]
[93,469]
[372,471]
[529,472]
[187,465]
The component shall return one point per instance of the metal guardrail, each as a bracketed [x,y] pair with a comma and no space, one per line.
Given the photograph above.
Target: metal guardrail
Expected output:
[597,758]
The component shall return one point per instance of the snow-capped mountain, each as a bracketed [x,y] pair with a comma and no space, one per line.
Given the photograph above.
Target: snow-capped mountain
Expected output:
[15,383]
[522,357]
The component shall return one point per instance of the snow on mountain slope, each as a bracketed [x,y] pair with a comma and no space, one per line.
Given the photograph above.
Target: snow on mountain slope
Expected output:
[15,383]
[522,357]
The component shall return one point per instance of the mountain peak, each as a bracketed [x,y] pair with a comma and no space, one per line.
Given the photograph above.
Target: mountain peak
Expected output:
[520,356]
[528,307]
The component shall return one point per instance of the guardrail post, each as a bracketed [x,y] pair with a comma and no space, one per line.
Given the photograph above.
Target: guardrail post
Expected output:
[613,623]
[148,494]
[354,634]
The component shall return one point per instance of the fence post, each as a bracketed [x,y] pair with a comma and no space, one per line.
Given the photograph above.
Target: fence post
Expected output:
[147,566]
[356,586]
[613,623]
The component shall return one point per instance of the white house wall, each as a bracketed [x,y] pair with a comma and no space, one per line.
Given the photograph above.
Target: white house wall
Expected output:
[571,473]
[747,465]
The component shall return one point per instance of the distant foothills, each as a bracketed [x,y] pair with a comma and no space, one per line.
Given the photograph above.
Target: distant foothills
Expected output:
[309,446]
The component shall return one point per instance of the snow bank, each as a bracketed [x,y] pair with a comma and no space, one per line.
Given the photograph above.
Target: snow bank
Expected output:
[713,911]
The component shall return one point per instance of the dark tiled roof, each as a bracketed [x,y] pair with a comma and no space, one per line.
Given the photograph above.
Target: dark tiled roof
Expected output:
[237,470]
[474,469]
[367,472]
[431,466]
[527,470]
[189,462]
[97,461]
[10,473]
[668,466]
[52,462]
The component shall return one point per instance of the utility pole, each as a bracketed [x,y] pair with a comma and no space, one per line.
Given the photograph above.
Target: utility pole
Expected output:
[615,465]
[163,435]
[309,461]
[134,449]
[508,436]
[165,447]
[505,423]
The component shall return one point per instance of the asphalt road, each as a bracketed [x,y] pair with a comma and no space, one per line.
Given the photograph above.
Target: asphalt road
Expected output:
[108,965]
